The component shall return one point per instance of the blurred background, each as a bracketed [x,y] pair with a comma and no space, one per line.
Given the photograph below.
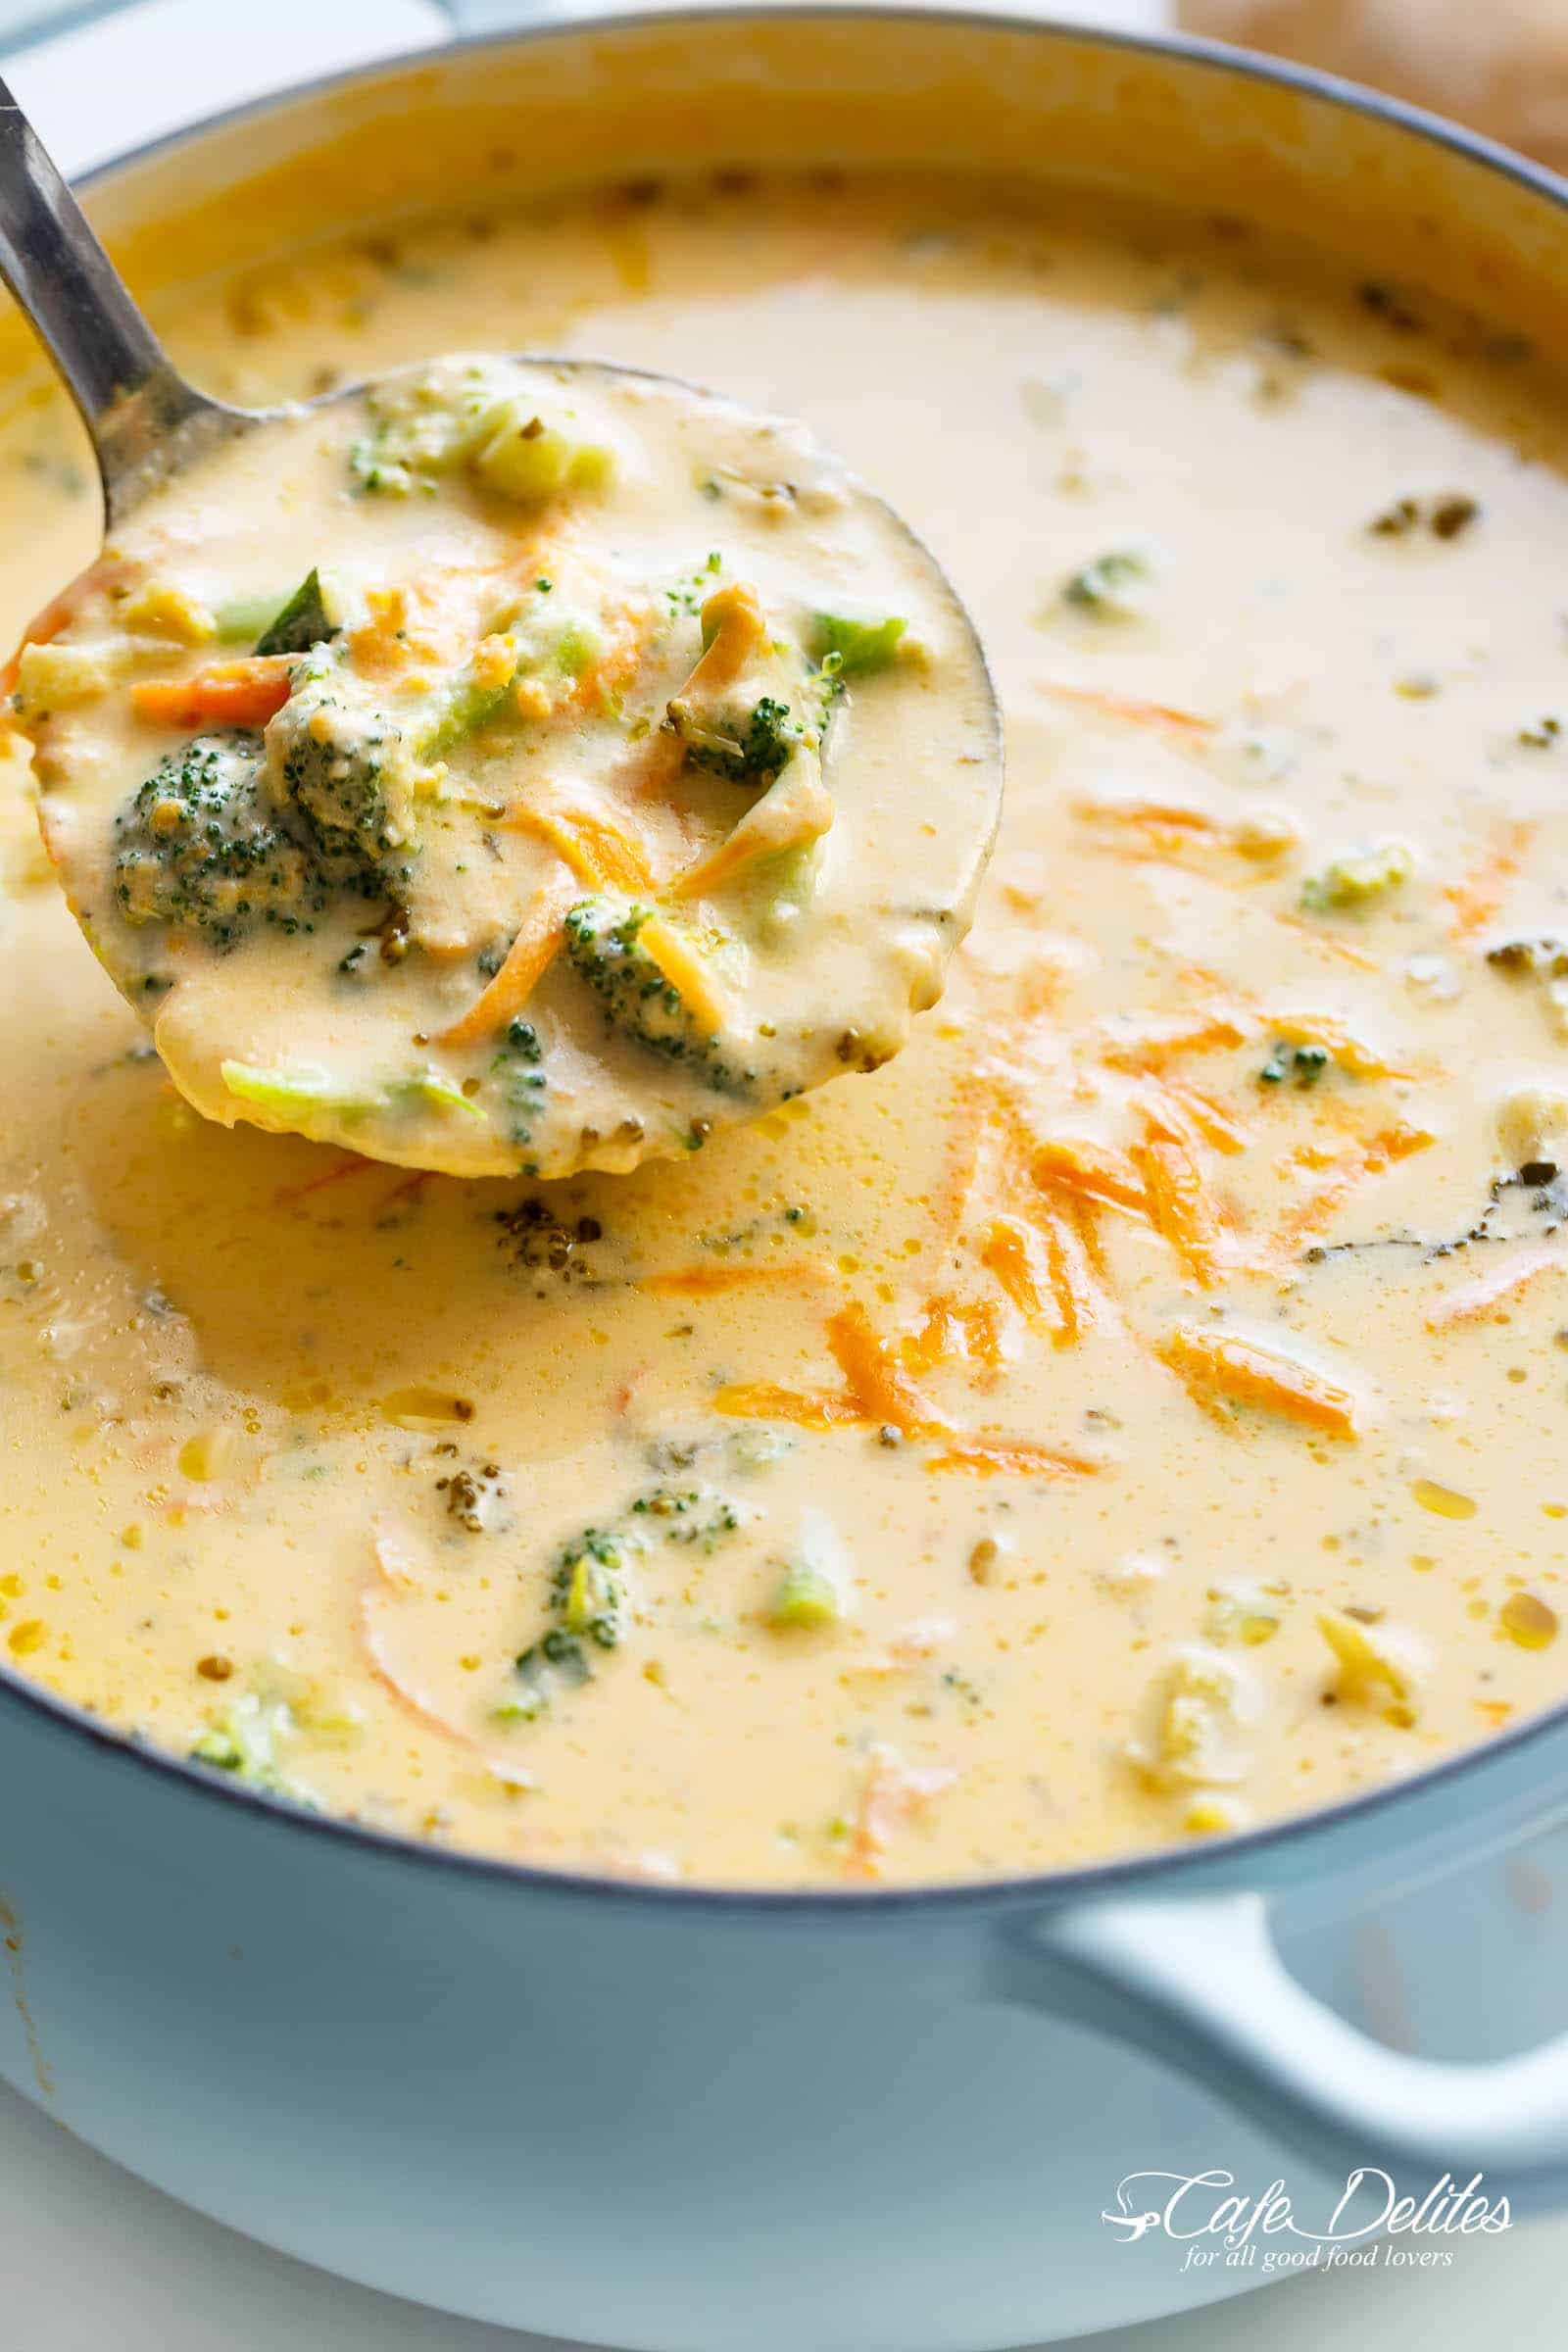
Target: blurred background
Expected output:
[1500,66]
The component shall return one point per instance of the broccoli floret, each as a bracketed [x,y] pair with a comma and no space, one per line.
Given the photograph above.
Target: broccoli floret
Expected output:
[337,767]
[422,426]
[521,1078]
[604,946]
[245,1746]
[201,848]
[746,747]
[1112,587]
[588,1591]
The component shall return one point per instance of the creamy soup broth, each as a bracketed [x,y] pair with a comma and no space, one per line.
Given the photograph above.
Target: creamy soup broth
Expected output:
[1128,1415]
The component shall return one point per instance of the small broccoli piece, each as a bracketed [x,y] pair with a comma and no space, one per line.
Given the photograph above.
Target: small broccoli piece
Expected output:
[245,1746]
[302,1098]
[747,747]
[525,460]
[554,1663]
[604,946]
[199,848]
[338,768]
[519,1077]
[862,647]
[309,1098]
[420,428]
[304,621]
[1111,588]
[1305,1064]
[588,1596]
[1357,879]
[805,1600]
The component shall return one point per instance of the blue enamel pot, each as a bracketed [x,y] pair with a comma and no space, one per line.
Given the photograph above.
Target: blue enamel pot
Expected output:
[869,2122]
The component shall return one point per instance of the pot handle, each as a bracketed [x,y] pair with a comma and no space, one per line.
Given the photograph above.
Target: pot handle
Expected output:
[1197,1983]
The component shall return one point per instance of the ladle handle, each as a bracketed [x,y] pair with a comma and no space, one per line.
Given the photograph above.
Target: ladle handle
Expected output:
[132,402]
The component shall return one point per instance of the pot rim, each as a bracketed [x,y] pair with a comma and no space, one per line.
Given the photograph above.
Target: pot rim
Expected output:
[1145,1872]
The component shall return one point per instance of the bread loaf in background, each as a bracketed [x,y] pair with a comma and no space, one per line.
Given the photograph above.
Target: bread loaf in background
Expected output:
[1500,66]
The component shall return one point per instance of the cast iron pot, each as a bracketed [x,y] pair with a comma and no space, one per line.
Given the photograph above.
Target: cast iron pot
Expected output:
[654,2116]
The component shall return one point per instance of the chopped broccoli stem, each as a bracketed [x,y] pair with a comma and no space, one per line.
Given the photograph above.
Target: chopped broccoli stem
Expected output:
[862,647]
[200,847]
[308,1097]
[428,1086]
[524,459]
[805,1600]
[299,1097]
[304,621]
[588,1598]
[242,620]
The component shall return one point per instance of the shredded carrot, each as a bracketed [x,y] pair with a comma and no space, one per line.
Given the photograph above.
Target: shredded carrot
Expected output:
[989,1458]
[351,1163]
[1176,1110]
[1215,1365]
[951,1330]
[764,1400]
[1327,943]
[599,852]
[408,1188]
[393,1574]
[1180,1207]
[873,1379]
[710,1282]
[790,817]
[231,694]
[1150,1044]
[687,972]
[1075,1285]
[1479,896]
[1164,829]
[1351,1051]
[938,1340]
[1476,1301]
[528,958]
[1127,707]
[1371,1158]
[968,1132]
[1092,1171]
[733,627]
[1007,1250]
[597,686]
[383,645]
[892,1791]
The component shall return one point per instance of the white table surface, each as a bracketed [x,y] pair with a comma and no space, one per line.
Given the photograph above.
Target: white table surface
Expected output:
[92,2260]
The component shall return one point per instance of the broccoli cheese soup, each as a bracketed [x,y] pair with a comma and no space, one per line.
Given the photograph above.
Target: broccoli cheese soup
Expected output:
[1130,1414]
[562,814]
